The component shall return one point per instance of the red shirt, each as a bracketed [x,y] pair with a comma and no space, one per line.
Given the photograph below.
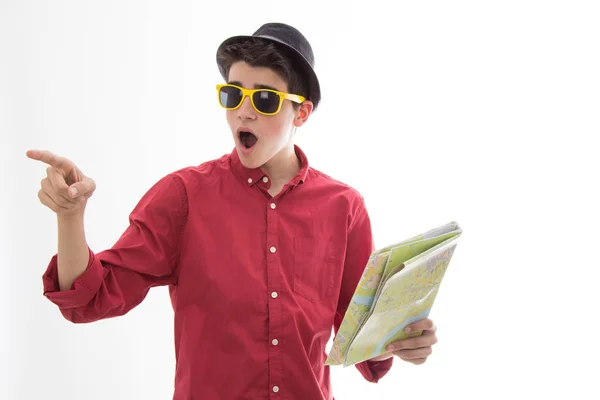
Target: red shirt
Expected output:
[256,282]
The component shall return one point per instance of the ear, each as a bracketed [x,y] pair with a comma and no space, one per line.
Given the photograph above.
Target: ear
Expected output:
[303,113]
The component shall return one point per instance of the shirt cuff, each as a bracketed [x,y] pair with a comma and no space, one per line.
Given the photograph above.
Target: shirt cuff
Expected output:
[373,371]
[83,288]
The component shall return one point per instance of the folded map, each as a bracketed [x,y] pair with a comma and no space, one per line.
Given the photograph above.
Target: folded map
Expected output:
[398,287]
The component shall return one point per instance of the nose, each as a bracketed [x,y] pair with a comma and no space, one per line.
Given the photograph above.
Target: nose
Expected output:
[246,111]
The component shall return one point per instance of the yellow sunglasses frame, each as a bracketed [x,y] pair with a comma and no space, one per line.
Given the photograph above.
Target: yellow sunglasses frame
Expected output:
[249,92]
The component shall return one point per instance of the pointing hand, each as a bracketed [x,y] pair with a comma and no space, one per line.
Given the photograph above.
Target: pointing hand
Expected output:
[65,189]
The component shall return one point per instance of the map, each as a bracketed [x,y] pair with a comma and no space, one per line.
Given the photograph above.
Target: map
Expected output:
[398,286]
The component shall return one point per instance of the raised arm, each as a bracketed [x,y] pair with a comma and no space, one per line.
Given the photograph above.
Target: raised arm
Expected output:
[87,286]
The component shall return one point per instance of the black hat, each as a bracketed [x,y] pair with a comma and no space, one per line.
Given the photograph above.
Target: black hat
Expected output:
[295,46]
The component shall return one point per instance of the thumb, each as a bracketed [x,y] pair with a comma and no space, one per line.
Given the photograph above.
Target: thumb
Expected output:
[83,188]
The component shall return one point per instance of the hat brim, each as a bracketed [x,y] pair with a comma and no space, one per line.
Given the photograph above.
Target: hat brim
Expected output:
[300,63]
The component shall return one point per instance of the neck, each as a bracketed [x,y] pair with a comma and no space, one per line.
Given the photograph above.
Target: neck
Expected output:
[283,167]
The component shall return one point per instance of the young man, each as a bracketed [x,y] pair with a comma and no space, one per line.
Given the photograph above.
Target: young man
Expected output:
[261,252]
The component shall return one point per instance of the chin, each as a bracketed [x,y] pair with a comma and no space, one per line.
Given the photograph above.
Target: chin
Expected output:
[250,161]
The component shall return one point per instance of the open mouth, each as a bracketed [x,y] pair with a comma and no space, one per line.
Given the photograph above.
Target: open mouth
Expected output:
[248,139]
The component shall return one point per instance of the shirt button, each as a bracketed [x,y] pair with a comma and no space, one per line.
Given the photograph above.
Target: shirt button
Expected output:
[273,206]
[274,295]
[275,342]
[265,179]
[249,180]
[273,249]
[276,389]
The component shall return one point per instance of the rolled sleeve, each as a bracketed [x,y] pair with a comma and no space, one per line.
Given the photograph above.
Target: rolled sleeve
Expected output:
[373,371]
[83,288]
[146,255]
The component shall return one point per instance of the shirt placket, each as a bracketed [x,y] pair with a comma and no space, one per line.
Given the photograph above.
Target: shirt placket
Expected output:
[275,306]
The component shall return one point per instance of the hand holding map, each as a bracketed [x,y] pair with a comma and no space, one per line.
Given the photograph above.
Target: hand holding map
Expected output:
[398,287]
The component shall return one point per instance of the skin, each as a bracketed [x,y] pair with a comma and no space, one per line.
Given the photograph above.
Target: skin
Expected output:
[66,190]
[414,350]
[274,151]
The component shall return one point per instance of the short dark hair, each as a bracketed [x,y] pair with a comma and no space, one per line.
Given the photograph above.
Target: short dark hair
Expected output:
[261,53]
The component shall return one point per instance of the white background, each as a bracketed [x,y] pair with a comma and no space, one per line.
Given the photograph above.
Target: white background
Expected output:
[482,112]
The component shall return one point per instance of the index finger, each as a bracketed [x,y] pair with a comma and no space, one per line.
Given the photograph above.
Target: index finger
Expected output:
[50,159]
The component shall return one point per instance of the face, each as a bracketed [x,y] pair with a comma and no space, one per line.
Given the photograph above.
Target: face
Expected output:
[273,133]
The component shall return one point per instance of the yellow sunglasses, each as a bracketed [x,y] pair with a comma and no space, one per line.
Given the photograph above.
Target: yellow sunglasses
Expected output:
[264,101]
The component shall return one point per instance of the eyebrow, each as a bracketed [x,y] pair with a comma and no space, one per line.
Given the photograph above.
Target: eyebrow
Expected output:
[257,86]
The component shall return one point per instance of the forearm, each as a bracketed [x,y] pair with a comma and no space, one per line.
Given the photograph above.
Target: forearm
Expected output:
[73,253]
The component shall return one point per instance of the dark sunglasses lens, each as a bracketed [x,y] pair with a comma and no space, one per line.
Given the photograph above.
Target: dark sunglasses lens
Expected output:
[230,96]
[266,101]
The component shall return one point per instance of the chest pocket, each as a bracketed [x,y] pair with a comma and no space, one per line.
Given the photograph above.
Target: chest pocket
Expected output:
[318,265]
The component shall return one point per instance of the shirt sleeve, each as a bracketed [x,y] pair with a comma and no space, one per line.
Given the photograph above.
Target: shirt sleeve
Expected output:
[360,246]
[146,255]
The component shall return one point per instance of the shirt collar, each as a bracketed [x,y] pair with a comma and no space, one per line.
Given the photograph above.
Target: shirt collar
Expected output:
[250,176]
